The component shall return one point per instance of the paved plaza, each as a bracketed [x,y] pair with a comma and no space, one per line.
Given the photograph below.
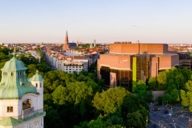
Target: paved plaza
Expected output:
[169,117]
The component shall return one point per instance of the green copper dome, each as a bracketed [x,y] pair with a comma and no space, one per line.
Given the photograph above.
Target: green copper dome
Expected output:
[14,83]
[13,65]
[36,77]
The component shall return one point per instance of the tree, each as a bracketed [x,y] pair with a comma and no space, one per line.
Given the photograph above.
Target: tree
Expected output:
[59,95]
[186,96]
[162,79]
[134,112]
[171,97]
[173,80]
[110,100]
[135,120]
[141,91]
[70,96]
[110,121]
[152,83]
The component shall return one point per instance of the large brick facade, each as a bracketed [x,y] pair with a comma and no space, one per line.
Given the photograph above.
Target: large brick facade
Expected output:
[150,59]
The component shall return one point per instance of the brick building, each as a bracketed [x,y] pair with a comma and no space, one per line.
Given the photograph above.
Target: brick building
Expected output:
[127,62]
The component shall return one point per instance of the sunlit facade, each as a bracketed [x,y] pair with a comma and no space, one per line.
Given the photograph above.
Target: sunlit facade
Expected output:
[128,62]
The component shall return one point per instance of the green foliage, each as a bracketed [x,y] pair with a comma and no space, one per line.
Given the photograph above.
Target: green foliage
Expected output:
[27,59]
[59,95]
[174,78]
[184,98]
[189,95]
[120,108]
[188,86]
[186,95]
[33,64]
[110,121]
[135,120]
[142,92]
[74,93]
[162,79]
[171,97]
[98,123]
[134,112]
[31,69]
[71,95]
[172,81]
[152,84]
[109,101]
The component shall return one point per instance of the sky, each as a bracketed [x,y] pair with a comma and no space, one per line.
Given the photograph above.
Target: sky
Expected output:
[106,21]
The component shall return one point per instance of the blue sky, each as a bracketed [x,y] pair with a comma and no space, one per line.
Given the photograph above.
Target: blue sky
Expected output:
[167,21]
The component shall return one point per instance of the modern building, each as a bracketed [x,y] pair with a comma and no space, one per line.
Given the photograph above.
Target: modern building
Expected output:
[128,62]
[21,99]
[185,60]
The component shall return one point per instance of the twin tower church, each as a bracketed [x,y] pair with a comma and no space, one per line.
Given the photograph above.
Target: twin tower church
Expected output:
[21,99]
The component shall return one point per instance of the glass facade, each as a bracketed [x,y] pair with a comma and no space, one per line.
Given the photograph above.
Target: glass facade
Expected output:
[123,77]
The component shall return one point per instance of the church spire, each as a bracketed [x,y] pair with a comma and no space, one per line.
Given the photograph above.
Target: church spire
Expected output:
[66,38]
[66,42]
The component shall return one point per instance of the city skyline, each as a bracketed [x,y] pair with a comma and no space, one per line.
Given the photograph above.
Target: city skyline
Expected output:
[165,21]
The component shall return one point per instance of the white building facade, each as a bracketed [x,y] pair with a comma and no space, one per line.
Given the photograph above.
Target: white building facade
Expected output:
[69,64]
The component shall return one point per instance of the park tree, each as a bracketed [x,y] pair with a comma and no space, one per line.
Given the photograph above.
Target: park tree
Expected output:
[69,96]
[186,95]
[184,98]
[152,83]
[110,100]
[162,79]
[134,112]
[142,92]
[113,120]
[135,120]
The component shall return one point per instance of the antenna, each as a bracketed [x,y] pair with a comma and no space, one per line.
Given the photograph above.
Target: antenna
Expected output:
[139,49]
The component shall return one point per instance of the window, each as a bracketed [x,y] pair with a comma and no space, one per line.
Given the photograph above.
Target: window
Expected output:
[9,108]
[4,73]
[36,85]
[11,73]
[26,104]
[40,85]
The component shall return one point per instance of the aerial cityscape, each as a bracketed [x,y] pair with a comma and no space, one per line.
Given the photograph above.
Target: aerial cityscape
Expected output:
[95,64]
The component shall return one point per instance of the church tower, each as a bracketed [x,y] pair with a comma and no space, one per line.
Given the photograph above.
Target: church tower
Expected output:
[66,42]
[21,101]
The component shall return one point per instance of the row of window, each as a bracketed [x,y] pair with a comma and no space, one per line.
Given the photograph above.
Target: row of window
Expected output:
[20,74]
[5,73]
[74,67]
[37,85]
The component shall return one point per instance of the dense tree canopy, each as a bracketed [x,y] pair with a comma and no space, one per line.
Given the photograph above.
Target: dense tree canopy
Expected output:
[70,95]
[109,101]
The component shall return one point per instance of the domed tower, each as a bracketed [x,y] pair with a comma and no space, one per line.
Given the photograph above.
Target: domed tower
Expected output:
[19,98]
[37,82]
